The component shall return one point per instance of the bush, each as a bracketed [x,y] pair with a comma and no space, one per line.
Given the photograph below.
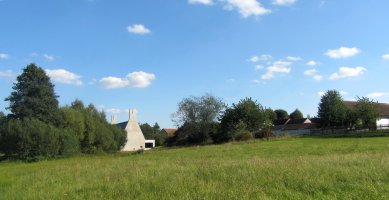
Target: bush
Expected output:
[263,134]
[30,139]
[69,142]
[243,135]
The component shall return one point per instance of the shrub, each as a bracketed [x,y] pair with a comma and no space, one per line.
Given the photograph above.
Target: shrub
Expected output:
[69,143]
[263,134]
[243,135]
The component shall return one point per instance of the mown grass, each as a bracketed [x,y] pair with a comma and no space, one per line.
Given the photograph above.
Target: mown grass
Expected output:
[294,168]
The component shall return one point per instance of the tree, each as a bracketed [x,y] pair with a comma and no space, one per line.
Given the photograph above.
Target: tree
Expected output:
[332,111]
[246,111]
[296,114]
[281,114]
[367,111]
[270,114]
[147,131]
[197,118]
[33,96]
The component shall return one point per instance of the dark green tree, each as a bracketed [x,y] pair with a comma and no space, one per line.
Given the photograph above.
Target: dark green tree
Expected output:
[246,111]
[197,118]
[34,96]
[296,114]
[367,111]
[270,114]
[281,114]
[332,110]
[147,131]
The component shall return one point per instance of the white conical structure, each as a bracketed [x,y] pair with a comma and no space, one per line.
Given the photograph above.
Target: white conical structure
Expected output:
[135,138]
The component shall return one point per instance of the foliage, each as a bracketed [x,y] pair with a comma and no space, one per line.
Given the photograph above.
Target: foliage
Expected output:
[246,111]
[332,111]
[270,114]
[296,114]
[263,134]
[33,96]
[243,135]
[153,133]
[30,139]
[367,111]
[197,117]
[281,114]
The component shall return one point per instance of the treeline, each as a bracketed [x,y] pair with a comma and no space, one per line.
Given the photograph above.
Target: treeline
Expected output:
[154,133]
[207,120]
[37,128]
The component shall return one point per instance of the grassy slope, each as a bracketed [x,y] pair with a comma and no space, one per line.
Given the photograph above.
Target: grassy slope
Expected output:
[297,168]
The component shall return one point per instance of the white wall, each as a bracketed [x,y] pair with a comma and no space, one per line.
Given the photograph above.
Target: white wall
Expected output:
[384,121]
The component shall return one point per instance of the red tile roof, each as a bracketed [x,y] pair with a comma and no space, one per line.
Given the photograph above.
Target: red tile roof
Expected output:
[170,131]
[383,108]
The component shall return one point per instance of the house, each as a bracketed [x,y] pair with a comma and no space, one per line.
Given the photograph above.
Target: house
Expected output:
[169,131]
[383,110]
[295,126]
[135,138]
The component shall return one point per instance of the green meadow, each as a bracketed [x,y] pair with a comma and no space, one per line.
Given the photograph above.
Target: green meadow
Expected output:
[289,168]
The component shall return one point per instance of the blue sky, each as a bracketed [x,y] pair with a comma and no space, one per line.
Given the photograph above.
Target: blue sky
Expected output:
[150,54]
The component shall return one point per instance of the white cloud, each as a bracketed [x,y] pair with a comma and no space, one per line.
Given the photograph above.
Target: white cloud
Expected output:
[247,8]
[7,74]
[278,67]
[263,57]
[115,111]
[138,29]
[310,72]
[377,94]
[48,57]
[342,52]
[318,77]
[4,56]
[64,76]
[135,79]
[321,93]
[204,2]
[346,72]
[385,56]
[311,63]
[292,58]
[284,2]
[259,67]
[343,93]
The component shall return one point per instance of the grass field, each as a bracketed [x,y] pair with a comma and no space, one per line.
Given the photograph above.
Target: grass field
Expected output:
[294,168]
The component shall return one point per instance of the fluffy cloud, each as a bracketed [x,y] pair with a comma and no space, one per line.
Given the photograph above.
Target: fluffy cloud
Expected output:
[48,57]
[342,52]
[310,72]
[135,79]
[4,56]
[321,93]
[311,63]
[204,2]
[377,94]
[346,72]
[278,67]
[259,67]
[318,77]
[247,8]
[292,58]
[284,2]
[138,29]
[385,56]
[64,76]
[263,57]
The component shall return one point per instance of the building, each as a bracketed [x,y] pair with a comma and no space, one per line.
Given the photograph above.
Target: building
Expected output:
[135,138]
[169,131]
[383,110]
[303,126]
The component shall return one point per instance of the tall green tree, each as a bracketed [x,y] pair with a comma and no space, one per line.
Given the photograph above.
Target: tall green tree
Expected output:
[367,110]
[270,114]
[197,119]
[34,96]
[332,111]
[281,114]
[296,114]
[247,112]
